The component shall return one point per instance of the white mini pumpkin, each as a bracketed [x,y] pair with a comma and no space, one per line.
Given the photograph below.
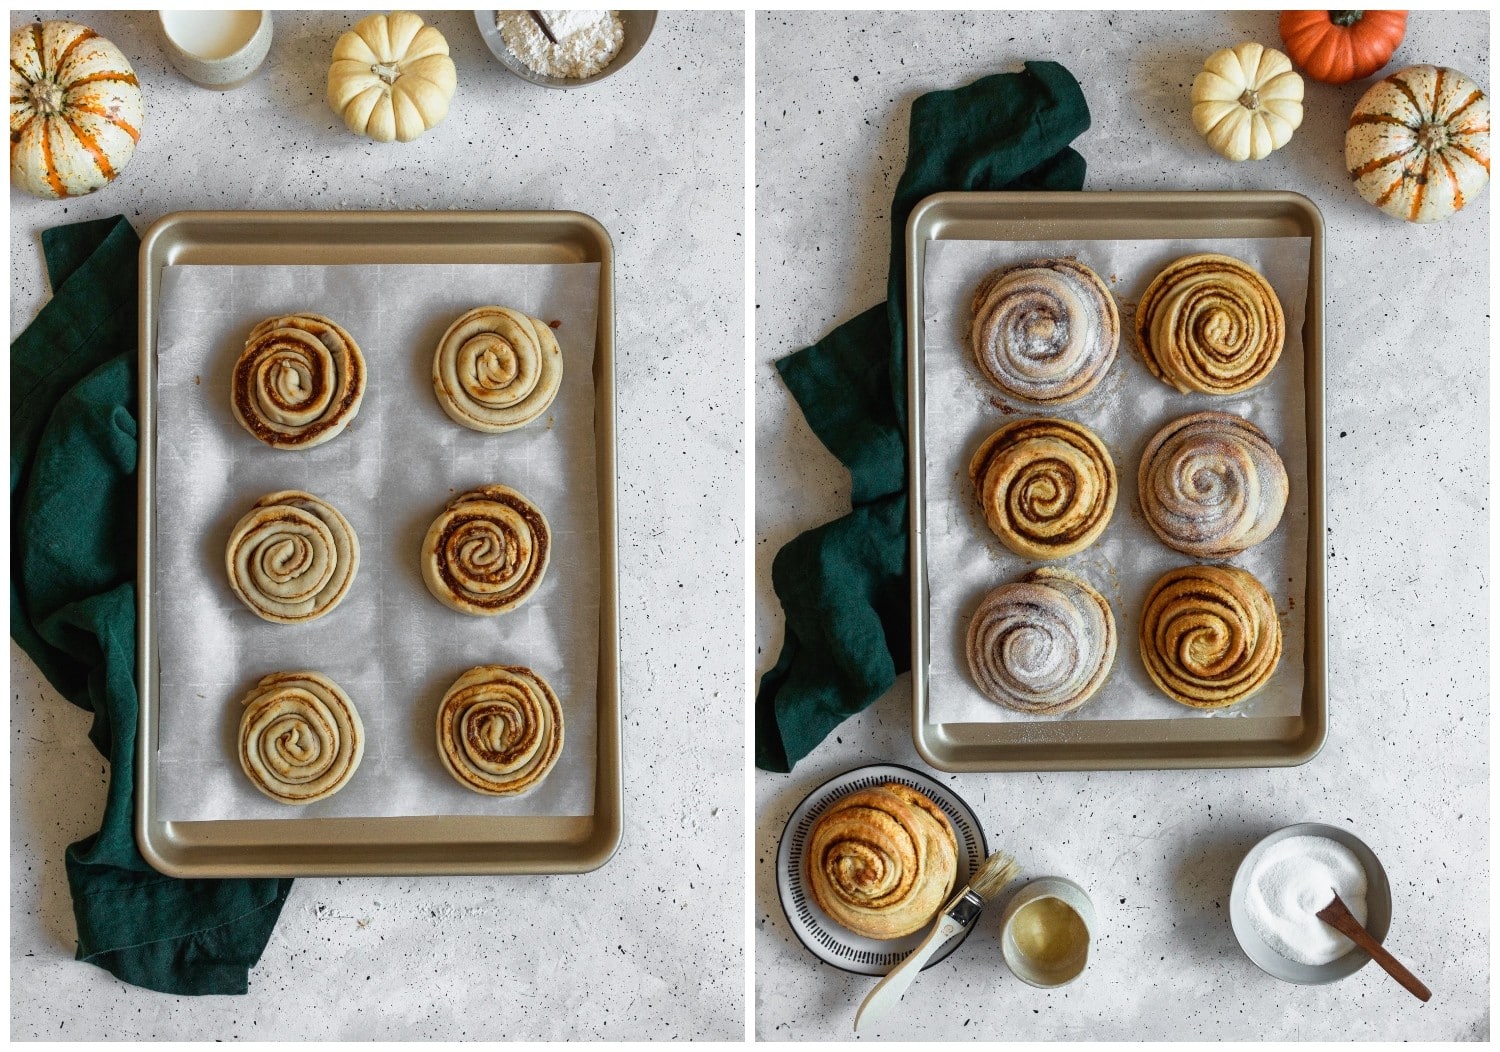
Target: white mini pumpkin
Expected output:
[391,77]
[1418,145]
[1247,101]
[76,110]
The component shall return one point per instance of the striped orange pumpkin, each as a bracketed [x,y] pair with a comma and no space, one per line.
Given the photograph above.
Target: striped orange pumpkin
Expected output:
[1418,145]
[75,110]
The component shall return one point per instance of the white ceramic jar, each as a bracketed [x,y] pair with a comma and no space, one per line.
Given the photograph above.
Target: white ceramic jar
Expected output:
[216,49]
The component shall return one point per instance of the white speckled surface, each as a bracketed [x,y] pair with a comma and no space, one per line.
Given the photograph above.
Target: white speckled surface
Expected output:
[644,947]
[1405,766]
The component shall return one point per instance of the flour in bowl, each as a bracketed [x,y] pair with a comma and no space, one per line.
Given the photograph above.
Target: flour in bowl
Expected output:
[587,41]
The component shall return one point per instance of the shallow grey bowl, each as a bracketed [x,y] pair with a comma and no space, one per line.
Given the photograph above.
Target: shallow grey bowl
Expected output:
[1377,902]
[637,25]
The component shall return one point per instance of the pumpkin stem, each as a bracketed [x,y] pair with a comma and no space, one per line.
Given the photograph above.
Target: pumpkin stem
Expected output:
[1432,136]
[46,98]
[1345,18]
[386,71]
[1250,99]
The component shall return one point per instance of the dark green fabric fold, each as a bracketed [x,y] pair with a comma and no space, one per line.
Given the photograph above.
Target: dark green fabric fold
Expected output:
[844,585]
[73,564]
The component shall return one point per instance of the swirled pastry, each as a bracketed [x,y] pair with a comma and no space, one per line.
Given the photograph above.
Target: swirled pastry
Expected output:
[1044,331]
[1212,485]
[499,729]
[1210,323]
[496,369]
[487,552]
[1043,644]
[882,861]
[1047,487]
[298,382]
[300,737]
[292,557]
[1209,635]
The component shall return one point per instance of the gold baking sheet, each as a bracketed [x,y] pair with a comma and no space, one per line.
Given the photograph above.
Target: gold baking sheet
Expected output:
[1099,744]
[381,846]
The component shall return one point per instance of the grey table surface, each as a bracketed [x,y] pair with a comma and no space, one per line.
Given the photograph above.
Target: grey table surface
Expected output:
[1406,762]
[645,946]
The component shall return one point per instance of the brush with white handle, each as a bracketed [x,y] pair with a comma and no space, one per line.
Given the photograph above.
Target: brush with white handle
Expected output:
[992,875]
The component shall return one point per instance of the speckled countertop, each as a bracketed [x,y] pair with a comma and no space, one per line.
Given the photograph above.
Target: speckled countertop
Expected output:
[644,947]
[1406,762]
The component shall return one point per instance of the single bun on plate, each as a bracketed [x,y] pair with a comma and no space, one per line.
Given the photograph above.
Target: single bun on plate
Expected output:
[882,861]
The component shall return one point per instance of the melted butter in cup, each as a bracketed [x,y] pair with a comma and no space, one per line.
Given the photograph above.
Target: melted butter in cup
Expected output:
[1046,932]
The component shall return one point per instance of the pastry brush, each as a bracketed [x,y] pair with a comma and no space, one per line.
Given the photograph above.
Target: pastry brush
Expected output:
[962,910]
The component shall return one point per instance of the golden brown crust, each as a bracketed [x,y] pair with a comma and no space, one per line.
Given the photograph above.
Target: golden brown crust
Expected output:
[1210,323]
[882,861]
[1209,636]
[487,552]
[499,729]
[298,382]
[1047,487]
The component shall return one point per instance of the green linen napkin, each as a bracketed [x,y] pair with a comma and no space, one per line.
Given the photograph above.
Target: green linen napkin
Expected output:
[72,609]
[844,585]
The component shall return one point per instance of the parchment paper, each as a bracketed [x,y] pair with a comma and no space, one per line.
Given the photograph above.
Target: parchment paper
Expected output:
[965,560]
[390,645]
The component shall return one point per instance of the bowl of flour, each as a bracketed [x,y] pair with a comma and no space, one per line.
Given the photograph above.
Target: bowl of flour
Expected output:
[590,44]
[1282,883]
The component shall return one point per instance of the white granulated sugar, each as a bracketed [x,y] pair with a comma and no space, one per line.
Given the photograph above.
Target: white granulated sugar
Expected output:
[587,41]
[1291,882]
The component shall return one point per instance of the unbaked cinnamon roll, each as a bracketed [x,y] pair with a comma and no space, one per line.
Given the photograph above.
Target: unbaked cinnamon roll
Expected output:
[1210,323]
[499,729]
[1212,485]
[1043,644]
[300,737]
[496,369]
[1044,331]
[882,861]
[292,557]
[298,382]
[1047,487]
[1209,635]
[487,552]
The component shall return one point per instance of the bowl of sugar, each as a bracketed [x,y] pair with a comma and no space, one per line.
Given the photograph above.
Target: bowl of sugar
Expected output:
[1280,886]
[585,46]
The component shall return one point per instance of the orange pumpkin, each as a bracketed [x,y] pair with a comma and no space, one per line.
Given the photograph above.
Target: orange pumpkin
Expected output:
[1336,47]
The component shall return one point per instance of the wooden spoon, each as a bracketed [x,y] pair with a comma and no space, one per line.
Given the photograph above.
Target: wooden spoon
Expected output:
[1337,915]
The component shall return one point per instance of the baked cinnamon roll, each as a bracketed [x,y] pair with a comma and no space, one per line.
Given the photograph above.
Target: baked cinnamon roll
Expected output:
[298,382]
[1210,323]
[1044,331]
[496,369]
[1211,485]
[300,737]
[292,557]
[487,552]
[1209,635]
[882,861]
[1047,487]
[1043,644]
[499,729]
